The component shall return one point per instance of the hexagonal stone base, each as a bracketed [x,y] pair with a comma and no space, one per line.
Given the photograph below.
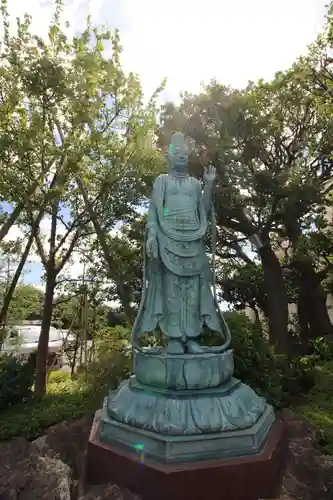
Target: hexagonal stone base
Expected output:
[242,478]
[178,449]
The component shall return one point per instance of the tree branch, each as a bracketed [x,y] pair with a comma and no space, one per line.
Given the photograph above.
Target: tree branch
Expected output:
[68,252]
[40,248]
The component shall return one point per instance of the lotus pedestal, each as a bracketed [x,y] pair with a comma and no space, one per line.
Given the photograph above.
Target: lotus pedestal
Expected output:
[184,428]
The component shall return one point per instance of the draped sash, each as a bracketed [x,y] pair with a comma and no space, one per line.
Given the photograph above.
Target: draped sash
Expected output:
[180,245]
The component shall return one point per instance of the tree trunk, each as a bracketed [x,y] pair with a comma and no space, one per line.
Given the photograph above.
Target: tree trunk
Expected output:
[313,315]
[277,300]
[125,299]
[97,226]
[312,311]
[256,315]
[51,276]
[10,292]
[303,321]
[323,325]
[11,220]
[43,344]
[312,303]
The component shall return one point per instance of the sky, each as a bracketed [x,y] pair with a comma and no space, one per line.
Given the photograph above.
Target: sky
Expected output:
[189,42]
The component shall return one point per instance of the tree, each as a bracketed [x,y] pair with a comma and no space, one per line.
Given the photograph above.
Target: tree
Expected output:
[26,303]
[314,264]
[25,138]
[210,117]
[257,139]
[297,169]
[243,286]
[78,129]
[125,275]
[67,310]
[10,287]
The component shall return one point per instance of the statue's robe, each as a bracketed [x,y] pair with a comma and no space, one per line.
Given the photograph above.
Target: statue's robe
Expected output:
[178,298]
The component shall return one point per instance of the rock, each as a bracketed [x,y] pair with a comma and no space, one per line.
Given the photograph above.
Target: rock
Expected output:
[52,467]
[27,475]
[109,492]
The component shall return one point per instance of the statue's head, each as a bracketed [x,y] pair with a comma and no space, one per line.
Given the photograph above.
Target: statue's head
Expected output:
[178,152]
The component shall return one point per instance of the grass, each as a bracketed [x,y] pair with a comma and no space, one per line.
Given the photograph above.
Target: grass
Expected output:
[318,407]
[65,399]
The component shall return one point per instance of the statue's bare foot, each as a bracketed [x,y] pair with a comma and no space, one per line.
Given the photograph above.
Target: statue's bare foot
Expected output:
[152,350]
[194,348]
[175,347]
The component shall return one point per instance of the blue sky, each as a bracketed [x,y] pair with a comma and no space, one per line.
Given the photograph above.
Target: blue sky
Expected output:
[190,42]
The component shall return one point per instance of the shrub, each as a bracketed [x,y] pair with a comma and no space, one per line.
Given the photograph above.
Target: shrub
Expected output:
[317,408]
[298,374]
[255,363]
[72,397]
[111,339]
[112,362]
[59,376]
[277,378]
[323,349]
[33,418]
[66,399]
[324,440]
[16,380]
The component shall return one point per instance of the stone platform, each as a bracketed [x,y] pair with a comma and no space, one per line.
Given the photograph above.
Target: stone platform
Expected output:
[243,478]
[182,427]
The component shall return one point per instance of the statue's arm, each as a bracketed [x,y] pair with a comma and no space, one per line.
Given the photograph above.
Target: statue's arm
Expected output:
[152,211]
[207,196]
[151,219]
[151,242]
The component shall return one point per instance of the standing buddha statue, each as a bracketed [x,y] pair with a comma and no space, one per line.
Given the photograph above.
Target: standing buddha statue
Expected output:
[179,296]
[182,402]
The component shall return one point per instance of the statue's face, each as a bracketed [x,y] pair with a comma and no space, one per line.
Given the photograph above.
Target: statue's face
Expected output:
[178,153]
[180,158]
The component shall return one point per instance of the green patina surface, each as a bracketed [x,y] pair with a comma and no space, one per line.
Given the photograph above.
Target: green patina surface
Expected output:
[182,403]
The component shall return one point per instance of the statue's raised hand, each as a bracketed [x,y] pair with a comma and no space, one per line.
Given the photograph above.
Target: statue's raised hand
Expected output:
[152,247]
[209,174]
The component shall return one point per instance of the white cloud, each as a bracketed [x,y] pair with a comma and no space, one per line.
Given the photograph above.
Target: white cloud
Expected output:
[41,12]
[14,233]
[189,42]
